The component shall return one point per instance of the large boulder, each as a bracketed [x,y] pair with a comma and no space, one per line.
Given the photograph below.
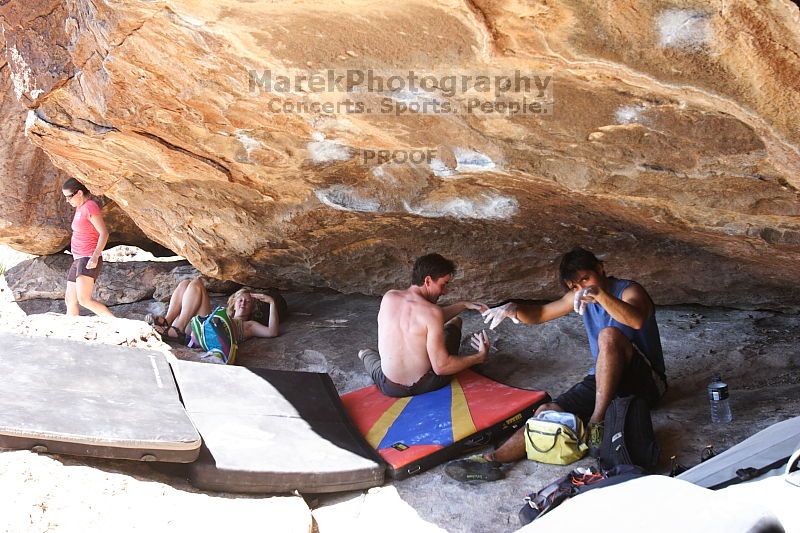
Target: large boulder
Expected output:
[33,217]
[118,283]
[672,149]
[33,214]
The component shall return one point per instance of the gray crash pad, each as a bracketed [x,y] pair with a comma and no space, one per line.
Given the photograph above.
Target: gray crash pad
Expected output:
[94,400]
[273,431]
[767,452]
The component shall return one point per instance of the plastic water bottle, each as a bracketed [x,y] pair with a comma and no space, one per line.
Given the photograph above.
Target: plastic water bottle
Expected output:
[718,397]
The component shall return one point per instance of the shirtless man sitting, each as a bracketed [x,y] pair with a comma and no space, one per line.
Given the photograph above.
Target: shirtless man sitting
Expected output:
[418,340]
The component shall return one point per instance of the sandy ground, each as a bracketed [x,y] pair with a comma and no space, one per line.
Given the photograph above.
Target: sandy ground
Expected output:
[755,351]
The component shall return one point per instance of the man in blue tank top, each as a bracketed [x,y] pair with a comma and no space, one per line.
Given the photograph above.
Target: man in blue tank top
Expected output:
[620,322]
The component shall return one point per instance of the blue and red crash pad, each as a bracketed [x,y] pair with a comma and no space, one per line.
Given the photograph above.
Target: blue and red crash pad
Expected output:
[415,433]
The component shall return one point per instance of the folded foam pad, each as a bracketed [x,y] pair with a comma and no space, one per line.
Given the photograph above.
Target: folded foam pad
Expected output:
[93,400]
[769,448]
[273,431]
[415,433]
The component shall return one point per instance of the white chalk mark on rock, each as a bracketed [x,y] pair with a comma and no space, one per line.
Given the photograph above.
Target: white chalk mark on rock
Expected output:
[470,160]
[21,75]
[629,114]
[687,29]
[418,96]
[30,121]
[322,150]
[248,142]
[487,206]
[345,198]
[466,161]
[440,169]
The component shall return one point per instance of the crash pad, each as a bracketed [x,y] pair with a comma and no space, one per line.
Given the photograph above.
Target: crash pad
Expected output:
[779,493]
[765,452]
[415,433]
[273,431]
[91,399]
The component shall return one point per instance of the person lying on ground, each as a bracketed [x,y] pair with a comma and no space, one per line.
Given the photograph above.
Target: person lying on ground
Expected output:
[190,301]
[418,341]
[89,237]
[619,317]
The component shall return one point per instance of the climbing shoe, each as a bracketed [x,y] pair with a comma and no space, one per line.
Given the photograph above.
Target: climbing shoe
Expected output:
[474,468]
[595,438]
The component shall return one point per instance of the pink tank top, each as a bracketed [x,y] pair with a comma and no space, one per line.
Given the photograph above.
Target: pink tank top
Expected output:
[84,234]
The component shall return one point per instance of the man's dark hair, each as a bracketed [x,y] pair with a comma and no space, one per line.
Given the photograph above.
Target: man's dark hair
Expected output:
[576,259]
[433,265]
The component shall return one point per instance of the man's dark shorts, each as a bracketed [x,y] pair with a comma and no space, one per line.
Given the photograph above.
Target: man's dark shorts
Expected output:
[78,268]
[639,379]
[430,381]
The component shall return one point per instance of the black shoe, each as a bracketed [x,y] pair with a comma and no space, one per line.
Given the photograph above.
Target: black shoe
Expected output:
[171,334]
[474,468]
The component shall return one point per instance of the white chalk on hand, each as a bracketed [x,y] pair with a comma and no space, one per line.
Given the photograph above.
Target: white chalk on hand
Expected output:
[578,303]
[498,314]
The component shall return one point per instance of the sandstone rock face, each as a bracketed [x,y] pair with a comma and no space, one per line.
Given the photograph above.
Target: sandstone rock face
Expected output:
[33,215]
[672,149]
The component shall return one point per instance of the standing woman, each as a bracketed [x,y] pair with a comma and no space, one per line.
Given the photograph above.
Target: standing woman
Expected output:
[89,237]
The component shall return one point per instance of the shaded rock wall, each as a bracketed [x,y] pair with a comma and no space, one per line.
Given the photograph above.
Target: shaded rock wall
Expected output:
[121,282]
[672,148]
[118,283]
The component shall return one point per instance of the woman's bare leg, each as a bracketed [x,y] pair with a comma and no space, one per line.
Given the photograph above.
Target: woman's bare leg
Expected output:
[194,301]
[175,301]
[71,299]
[84,285]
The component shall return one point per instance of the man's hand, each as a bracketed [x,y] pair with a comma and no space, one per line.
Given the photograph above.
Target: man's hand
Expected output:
[92,262]
[476,306]
[480,341]
[584,296]
[498,314]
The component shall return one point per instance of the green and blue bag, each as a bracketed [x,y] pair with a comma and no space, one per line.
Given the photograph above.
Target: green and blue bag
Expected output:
[217,334]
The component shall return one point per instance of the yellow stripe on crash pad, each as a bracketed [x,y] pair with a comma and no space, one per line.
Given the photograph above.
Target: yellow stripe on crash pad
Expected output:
[463,426]
[381,426]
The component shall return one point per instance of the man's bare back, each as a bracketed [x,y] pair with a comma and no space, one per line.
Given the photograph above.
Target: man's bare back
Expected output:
[403,323]
[417,349]
[411,339]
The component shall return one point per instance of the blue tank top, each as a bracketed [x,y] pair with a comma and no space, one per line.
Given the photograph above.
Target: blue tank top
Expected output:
[647,339]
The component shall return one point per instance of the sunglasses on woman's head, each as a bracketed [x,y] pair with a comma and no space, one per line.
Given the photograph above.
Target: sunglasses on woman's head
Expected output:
[69,196]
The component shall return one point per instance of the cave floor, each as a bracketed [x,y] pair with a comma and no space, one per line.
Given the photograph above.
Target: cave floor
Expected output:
[756,352]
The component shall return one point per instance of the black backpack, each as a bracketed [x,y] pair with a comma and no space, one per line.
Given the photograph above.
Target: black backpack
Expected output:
[628,437]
